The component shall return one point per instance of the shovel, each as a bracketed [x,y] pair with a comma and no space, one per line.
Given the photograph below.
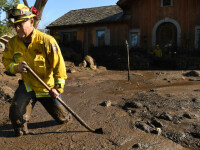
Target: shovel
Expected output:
[98,131]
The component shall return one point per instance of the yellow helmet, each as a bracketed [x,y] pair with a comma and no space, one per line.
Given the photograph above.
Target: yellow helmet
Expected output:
[19,13]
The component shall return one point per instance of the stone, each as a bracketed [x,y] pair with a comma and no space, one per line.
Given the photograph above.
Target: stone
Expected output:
[140,146]
[133,105]
[156,123]
[90,62]
[137,145]
[143,126]
[159,131]
[71,71]
[83,64]
[108,103]
[166,116]
[189,116]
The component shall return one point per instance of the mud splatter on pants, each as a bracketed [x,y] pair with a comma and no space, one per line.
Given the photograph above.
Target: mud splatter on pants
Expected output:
[23,104]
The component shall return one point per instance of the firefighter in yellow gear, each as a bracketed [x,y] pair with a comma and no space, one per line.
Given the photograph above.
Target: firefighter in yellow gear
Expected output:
[42,53]
[157,58]
[157,52]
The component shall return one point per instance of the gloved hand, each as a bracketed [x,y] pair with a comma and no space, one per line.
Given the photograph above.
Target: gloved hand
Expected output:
[21,67]
[54,93]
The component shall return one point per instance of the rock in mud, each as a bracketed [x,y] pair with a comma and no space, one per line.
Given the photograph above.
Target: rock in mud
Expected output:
[166,116]
[175,136]
[189,116]
[156,123]
[133,105]
[195,134]
[157,131]
[143,126]
[71,71]
[106,104]
[90,61]
[195,100]
[140,146]
[151,90]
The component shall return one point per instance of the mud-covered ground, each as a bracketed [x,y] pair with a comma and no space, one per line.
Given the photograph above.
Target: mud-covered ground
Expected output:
[155,110]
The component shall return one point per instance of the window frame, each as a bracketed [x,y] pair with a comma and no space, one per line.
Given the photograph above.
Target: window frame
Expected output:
[106,36]
[134,31]
[197,38]
[64,32]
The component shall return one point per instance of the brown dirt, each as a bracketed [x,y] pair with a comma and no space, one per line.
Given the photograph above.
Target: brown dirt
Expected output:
[155,110]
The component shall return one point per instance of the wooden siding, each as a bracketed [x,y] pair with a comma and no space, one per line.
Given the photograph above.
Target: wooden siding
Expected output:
[86,33]
[146,13]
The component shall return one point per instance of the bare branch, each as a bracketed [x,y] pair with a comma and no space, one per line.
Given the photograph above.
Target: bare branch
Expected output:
[25,2]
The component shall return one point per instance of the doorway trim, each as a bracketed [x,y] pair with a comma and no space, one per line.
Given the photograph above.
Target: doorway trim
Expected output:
[163,21]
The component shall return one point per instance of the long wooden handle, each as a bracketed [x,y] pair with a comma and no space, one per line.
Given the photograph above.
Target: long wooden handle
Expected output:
[127,46]
[60,100]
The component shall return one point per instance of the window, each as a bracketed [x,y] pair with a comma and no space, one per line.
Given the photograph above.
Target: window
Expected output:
[68,37]
[134,38]
[102,36]
[197,37]
[166,3]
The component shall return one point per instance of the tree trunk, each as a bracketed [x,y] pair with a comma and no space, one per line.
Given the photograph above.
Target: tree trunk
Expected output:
[39,5]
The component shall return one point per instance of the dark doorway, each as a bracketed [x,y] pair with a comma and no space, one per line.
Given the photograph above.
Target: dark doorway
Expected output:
[166,36]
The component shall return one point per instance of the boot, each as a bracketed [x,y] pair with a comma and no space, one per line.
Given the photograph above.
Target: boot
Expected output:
[25,129]
[68,118]
[18,132]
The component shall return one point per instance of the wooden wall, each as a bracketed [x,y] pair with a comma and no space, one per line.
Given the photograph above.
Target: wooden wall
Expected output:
[146,13]
[86,33]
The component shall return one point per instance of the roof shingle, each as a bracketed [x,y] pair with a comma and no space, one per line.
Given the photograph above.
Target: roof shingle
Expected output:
[103,14]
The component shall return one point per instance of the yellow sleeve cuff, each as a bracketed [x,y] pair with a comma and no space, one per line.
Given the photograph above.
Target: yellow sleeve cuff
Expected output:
[13,68]
[61,90]
[59,87]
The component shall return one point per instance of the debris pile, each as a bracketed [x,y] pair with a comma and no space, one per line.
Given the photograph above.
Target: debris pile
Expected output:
[191,74]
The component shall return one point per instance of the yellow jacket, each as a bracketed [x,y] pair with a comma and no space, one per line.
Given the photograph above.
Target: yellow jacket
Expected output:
[157,52]
[43,55]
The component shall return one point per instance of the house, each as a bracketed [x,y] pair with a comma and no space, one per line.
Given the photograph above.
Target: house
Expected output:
[97,26]
[173,24]
[4,41]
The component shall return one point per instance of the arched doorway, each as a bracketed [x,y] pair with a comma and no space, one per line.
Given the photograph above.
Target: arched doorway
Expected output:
[166,35]
[166,20]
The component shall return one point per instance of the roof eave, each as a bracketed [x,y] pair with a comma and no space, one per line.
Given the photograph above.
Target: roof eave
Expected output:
[92,23]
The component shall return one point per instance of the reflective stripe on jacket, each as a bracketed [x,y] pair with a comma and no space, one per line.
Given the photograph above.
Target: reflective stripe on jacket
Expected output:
[43,55]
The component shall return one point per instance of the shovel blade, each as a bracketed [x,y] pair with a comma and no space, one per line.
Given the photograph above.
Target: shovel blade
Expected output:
[99,131]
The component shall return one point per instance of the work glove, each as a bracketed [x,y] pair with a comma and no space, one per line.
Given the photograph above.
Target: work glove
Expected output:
[59,87]
[54,93]
[22,67]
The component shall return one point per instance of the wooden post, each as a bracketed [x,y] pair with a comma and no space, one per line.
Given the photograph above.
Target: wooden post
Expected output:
[127,46]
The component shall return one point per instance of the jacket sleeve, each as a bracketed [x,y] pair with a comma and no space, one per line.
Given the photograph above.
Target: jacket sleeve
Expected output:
[58,65]
[8,61]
